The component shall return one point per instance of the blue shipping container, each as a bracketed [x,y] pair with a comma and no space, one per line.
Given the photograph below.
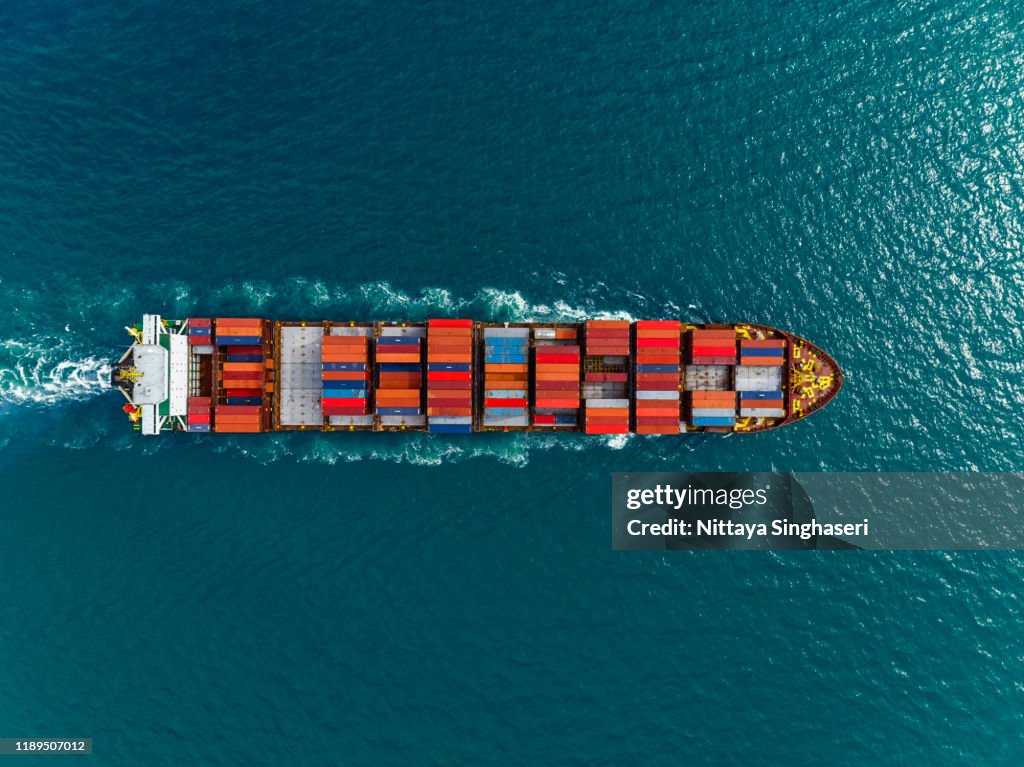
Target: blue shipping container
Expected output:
[344,393]
[504,411]
[239,340]
[506,359]
[344,384]
[657,368]
[459,367]
[200,331]
[199,427]
[245,400]
[744,395]
[714,421]
[245,358]
[744,352]
[399,367]
[399,340]
[450,428]
[398,411]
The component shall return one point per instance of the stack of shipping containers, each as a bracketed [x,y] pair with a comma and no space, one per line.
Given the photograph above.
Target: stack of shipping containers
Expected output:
[709,377]
[557,377]
[200,332]
[399,393]
[200,342]
[713,347]
[769,352]
[240,344]
[506,378]
[762,404]
[759,378]
[657,377]
[199,413]
[606,377]
[345,375]
[713,408]
[450,376]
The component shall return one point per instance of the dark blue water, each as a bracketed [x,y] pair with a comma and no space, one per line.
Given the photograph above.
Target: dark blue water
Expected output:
[852,173]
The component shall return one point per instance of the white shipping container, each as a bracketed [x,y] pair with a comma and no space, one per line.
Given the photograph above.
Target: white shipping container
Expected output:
[599,403]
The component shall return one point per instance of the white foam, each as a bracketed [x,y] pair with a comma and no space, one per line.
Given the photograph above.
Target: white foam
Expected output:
[43,372]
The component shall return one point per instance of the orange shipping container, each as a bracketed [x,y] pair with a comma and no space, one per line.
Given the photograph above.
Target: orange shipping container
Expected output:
[238,418]
[344,375]
[242,384]
[561,402]
[346,340]
[666,411]
[243,367]
[463,358]
[609,324]
[608,412]
[385,357]
[505,367]
[657,429]
[450,333]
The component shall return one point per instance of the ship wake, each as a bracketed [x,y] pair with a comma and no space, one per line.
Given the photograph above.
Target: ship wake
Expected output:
[45,371]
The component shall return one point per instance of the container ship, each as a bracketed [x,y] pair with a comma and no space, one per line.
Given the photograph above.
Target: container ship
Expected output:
[457,376]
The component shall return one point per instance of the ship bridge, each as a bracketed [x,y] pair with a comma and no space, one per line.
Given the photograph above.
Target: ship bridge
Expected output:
[153,374]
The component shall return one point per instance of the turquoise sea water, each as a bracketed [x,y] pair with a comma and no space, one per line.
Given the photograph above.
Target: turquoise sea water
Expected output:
[851,173]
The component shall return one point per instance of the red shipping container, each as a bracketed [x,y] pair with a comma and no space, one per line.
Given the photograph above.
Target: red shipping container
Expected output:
[658,429]
[761,403]
[549,385]
[199,402]
[242,375]
[504,402]
[200,322]
[449,402]
[607,334]
[657,377]
[544,420]
[450,385]
[328,411]
[713,361]
[241,393]
[642,342]
[546,357]
[657,359]
[238,410]
[607,420]
[344,401]
[199,417]
[602,429]
[555,403]
[657,324]
[713,351]
[244,350]
[447,323]
[200,341]
[449,375]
